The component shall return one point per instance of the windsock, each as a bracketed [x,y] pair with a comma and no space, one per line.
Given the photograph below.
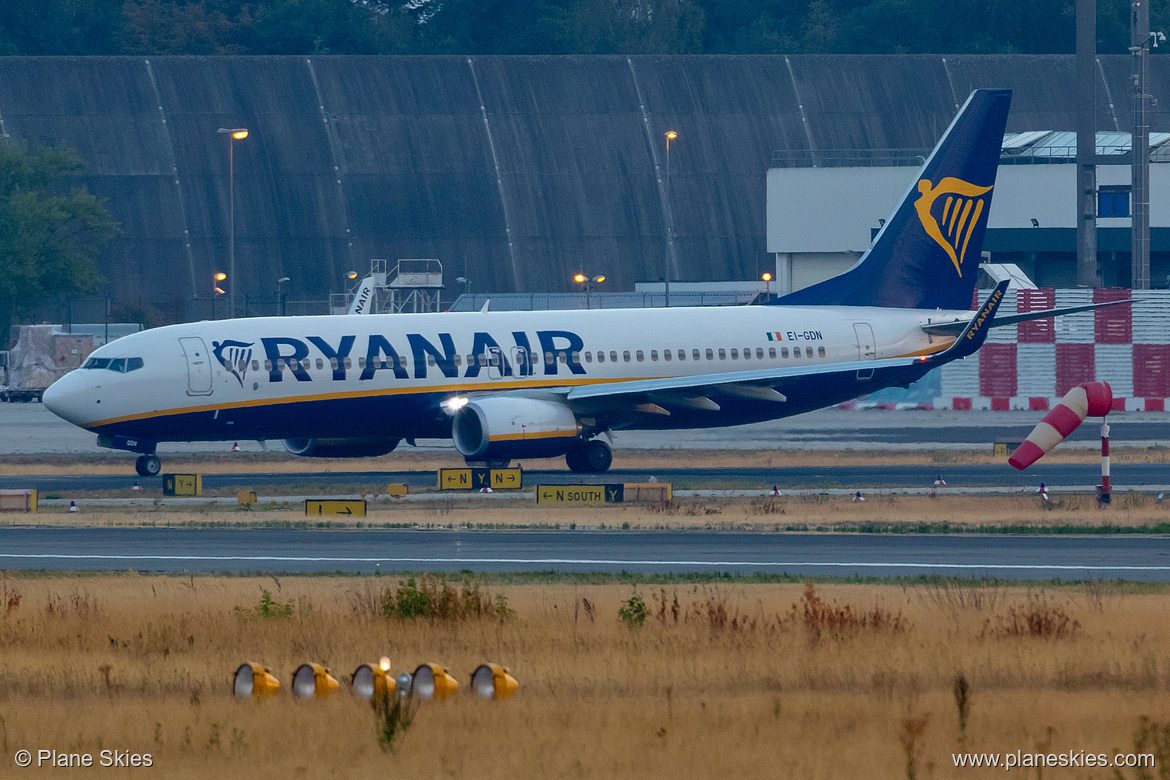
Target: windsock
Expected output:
[1092,399]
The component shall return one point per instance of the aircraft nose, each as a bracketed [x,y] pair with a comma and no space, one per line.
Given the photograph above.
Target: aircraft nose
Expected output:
[66,398]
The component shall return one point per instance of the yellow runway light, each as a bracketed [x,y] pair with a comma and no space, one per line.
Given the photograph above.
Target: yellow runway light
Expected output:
[254,680]
[431,681]
[313,681]
[492,681]
[370,680]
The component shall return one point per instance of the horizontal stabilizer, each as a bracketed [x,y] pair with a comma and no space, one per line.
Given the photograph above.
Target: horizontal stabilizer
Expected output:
[1002,320]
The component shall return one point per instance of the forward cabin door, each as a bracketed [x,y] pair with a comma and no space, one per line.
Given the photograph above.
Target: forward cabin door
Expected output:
[198,365]
[866,347]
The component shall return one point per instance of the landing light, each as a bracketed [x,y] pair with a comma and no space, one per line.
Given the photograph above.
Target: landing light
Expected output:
[431,681]
[492,681]
[313,681]
[373,680]
[454,404]
[254,680]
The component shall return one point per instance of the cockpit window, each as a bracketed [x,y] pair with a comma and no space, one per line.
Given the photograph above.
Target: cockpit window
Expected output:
[121,365]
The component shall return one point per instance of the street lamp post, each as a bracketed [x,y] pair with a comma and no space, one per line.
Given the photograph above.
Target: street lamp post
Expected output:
[216,291]
[670,136]
[767,277]
[233,134]
[588,283]
[280,296]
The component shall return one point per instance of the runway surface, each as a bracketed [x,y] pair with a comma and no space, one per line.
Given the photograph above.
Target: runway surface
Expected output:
[855,477]
[30,429]
[1144,558]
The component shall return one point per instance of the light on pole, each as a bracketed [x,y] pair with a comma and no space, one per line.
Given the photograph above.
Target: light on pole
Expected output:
[670,136]
[233,134]
[588,283]
[280,294]
[767,277]
[216,290]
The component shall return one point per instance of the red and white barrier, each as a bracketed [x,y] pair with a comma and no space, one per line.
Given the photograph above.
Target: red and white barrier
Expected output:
[1092,399]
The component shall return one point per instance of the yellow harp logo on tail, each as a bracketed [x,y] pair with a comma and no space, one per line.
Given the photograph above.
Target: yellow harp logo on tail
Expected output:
[962,207]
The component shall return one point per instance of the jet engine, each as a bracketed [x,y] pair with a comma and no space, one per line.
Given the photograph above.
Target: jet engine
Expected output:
[340,448]
[503,427]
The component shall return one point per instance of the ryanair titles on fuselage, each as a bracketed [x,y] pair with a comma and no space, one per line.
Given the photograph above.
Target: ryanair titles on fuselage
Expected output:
[377,352]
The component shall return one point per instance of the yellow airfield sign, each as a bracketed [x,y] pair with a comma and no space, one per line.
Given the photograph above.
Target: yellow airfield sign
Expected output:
[335,506]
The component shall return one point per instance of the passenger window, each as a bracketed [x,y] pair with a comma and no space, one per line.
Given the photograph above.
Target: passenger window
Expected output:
[361,362]
[255,365]
[665,355]
[639,355]
[589,357]
[613,356]
[267,365]
[495,361]
[119,365]
[747,353]
[133,364]
[710,354]
[349,363]
[600,357]
[294,364]
[654,355]
[320,364]
[333,363]
[796,352]
[694,354]
[772,352]
[576,357]
[430,360]
[808,352]
[821,351]
[722,354]
[561,358]
[626,355]
[734,353]
[548,358]
[458,360]
[783,352]
[759,353]
[483,361]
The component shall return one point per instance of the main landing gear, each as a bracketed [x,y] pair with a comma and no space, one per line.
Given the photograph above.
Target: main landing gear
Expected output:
[148,465]
[591,457]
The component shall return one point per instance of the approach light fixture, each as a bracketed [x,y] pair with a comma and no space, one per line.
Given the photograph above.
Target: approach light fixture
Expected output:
[313,681]
[431,681]
[492,681]
[370,680]
[254,680]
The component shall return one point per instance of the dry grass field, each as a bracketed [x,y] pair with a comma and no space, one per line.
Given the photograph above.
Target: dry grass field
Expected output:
[734,680]
[805,513]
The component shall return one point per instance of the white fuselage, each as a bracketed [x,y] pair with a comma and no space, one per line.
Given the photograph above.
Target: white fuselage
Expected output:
[281,377]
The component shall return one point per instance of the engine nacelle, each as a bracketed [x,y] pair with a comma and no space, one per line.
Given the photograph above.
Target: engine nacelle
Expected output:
[340,448]
[513,427]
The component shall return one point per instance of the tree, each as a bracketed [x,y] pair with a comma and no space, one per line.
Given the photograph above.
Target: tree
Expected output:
[50,233]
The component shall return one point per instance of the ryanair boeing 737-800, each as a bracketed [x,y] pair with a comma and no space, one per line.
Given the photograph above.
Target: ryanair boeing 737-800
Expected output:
[509,385]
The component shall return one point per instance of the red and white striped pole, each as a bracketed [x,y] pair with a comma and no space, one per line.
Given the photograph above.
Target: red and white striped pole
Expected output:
[1104,498]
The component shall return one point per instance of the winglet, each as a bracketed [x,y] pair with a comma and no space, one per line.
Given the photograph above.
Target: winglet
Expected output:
[973,336]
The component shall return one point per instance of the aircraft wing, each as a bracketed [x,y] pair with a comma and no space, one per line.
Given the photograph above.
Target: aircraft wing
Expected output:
[653,396]
[951,328]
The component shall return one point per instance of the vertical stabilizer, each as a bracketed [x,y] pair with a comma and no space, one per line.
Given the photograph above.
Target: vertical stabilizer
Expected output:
[927,254]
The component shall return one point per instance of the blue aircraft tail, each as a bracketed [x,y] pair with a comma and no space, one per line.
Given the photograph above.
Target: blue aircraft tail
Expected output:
[926,256]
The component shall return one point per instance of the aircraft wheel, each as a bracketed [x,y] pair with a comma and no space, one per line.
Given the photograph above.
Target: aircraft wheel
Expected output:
[575,458]
[148,465]
[596,456]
